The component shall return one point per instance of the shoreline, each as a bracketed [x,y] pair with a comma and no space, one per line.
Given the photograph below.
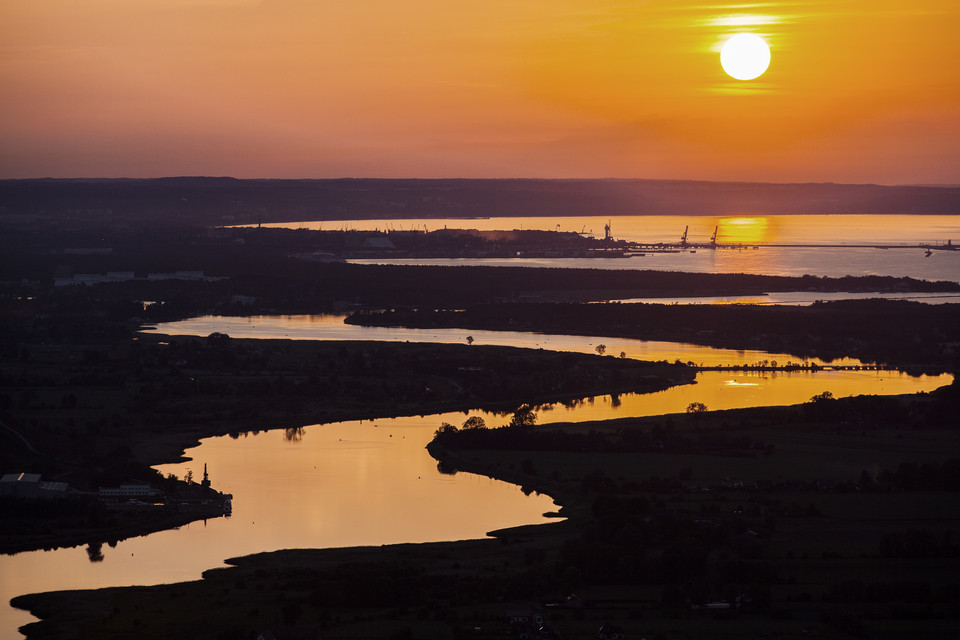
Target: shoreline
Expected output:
[174,519]
[517,550]
[154,449]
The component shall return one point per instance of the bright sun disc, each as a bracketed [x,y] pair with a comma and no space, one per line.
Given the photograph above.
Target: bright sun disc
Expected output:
[745,56]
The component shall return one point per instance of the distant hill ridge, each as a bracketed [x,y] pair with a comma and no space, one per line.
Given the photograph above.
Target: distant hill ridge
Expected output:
[222,200]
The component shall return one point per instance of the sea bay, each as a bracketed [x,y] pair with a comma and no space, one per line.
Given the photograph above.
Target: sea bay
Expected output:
[785,245]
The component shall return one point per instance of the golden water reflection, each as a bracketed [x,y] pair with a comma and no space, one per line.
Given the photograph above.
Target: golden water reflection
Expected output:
[345,484]
[372,482]
[331,327]
[790,229]
[751,228]
[748,230]
[730,390]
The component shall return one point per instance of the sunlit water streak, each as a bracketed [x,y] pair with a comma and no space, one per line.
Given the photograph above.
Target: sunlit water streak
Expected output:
[800,298]
[750,228]
[372,482]
[775,261]
[331,327]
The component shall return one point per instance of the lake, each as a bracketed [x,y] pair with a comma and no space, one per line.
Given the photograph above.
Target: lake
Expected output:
[372,482]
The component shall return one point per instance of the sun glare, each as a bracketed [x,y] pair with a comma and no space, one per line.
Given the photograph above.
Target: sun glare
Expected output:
[744,230]
[745,56]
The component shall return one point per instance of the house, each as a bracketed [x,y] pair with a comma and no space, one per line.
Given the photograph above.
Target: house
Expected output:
[24,485]
[533,631]
[126,491]
[524,616]
[528,624]
[29,485]
[610,632]
[290,633]
[372,242]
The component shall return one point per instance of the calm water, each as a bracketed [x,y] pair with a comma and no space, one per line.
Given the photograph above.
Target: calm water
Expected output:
[750,230]
[801,298]
[331,327]
[834,263]
[718,390]
[372,482]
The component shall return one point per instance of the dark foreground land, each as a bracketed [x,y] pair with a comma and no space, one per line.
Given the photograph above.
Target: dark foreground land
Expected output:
[97,417]
[831,519]
[834,518]
[895,333]
[89,401]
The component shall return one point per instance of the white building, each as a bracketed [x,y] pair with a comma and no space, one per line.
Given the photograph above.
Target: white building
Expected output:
[125,491]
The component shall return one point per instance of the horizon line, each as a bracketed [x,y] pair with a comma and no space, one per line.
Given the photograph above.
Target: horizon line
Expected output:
[475,179]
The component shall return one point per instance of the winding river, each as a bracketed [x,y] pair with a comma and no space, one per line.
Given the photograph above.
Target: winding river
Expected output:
[372,482]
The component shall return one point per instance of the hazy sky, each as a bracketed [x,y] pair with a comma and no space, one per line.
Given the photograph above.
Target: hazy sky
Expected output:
[857,91]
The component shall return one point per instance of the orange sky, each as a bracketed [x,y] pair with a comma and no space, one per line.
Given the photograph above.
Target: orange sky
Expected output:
[856,91]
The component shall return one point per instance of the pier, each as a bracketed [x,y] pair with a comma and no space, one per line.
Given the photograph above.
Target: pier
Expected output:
[638,248]
[679,247]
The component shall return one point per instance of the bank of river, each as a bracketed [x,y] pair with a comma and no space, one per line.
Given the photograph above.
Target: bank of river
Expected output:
[372,482]
[332,327]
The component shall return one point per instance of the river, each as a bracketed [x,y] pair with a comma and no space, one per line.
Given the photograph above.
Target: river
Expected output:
[372,482]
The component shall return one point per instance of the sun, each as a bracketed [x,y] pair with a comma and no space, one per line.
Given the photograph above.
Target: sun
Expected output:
[745,56]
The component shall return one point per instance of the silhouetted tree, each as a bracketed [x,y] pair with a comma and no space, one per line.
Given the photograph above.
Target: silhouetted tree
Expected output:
[445,429]
[94,552]
[696,407]
[474,422]
[524,416]
[218,339]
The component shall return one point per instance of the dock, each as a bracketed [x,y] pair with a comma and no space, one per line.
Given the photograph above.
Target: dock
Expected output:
[678,247]
[638,248]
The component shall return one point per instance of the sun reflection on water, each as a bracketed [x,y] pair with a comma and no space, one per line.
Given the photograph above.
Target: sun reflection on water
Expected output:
[749,230]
